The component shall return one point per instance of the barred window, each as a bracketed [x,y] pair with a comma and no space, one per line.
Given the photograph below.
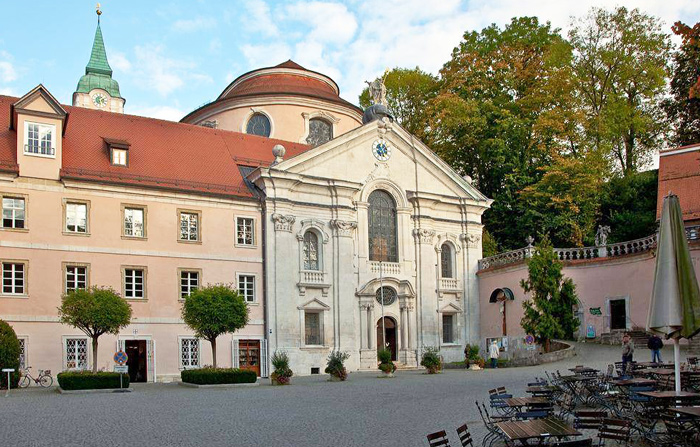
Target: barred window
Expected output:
[245,227]
[446,261]
[22,353]
[259,124]
[134,283]
[320,131]
[76,353]
[312,328]
[310,254]
[382,227]
[246,287]
[13,213]
[189,353]
[448,328]
[189,282]
[133,222]
[189,227]
[76,217]
[76,277]
[13,278]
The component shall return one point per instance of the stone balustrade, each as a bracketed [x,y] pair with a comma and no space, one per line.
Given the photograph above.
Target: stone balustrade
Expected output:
[312,277]
[449,284]
[387,268]
[570,254]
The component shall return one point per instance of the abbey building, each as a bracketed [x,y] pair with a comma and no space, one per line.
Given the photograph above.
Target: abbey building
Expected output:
[341,230]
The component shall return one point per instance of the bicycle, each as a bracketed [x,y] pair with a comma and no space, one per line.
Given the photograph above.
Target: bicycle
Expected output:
[44,378]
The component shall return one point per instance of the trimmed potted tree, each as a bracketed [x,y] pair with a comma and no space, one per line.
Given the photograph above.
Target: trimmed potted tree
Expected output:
[282,375]
[431,360]
[472,358]
[336,366]
[386,366]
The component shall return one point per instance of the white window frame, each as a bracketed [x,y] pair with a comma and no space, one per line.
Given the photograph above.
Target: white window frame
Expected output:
[180,271]
[14,219]
[14,263]
[144,211]
[66,339]
[76,265]
[253,235]
[180,345]
[189,239]
[67,203]
[52,150]
[144,274]
[119,157]
[243,292]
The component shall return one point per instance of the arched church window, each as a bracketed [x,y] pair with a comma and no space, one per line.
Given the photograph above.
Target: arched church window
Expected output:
[320,131]
[382,227]
[259,124]
[446,261]
[310,254]
[386,294]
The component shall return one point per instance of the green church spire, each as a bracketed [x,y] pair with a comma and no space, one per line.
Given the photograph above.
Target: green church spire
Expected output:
[98,73]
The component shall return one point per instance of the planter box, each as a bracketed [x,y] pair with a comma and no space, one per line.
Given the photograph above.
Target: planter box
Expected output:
[219,385]
[475,367]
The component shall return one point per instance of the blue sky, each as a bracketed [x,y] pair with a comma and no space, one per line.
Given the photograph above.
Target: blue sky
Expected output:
[171,57]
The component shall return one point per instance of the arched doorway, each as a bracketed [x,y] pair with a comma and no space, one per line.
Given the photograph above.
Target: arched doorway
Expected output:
[390,328]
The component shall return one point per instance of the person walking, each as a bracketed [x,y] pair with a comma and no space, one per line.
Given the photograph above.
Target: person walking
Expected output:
[655,344]
[494,352]
[627,352]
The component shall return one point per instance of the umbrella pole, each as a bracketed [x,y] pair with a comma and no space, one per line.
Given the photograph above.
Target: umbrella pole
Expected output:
[677,360]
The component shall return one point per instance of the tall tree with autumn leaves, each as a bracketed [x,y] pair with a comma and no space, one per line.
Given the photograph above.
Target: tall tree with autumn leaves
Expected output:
[683,108]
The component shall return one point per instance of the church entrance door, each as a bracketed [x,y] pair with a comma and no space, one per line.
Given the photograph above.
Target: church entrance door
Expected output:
[390,328]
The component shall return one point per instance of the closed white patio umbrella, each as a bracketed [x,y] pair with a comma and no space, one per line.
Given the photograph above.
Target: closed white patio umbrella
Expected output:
[674,309]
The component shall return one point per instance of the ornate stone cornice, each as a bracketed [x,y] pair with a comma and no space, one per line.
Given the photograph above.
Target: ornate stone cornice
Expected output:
[424,235]
[471,239]
[343,228]
[282,222]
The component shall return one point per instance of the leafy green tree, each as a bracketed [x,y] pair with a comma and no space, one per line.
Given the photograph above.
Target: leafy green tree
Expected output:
[408,91]
[628,205]
[9,354]
[564,203]
[505,106]
[214,310]
[95,311]
[621,64]
[683,108]
[489,247]
[549,313]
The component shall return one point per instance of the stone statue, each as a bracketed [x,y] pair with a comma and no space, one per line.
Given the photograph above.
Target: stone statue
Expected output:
[377,91]
[601,236]
[380,107]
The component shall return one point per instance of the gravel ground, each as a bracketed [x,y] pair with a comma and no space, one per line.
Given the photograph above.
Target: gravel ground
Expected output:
[363,411]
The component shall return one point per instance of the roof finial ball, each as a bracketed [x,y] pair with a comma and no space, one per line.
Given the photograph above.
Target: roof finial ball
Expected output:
[278,151]
[380,107]
[98,11]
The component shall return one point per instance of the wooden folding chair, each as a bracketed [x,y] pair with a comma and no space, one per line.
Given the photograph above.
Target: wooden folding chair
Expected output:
[588,442]
[589,419]
[438,439]
[464,436]
[615,430]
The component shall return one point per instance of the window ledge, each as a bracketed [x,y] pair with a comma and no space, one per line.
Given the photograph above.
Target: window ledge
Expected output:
[253,303]
[134,238]
[32,154]
[197,242]
[314,347]
[141,300]
[15,230]
[18,297]
[71,233]
[245,246]
[451,345]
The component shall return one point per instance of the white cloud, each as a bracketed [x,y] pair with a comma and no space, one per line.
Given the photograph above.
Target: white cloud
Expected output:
[329,23]
[8,91]
[215,45]
[161,112]
[258,18]
[163,74]
[266,55]
[119,61]
[8,73]
[194,24]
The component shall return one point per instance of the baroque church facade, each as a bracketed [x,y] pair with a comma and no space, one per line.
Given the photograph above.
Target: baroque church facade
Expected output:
[342,230]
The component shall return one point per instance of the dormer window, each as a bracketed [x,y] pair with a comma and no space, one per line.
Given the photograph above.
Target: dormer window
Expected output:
[39,139]
[118,152]
[119,157]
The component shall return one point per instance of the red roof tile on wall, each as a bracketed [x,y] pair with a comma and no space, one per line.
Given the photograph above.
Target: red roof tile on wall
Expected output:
[162,154]
[680,173]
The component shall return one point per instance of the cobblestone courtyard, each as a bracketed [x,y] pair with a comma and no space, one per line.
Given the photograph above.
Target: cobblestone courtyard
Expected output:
[363,411]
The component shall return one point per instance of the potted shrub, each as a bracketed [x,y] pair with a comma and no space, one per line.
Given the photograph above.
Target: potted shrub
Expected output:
[431,360]
[282,374]
[335,366]
[472,358]
[386,366]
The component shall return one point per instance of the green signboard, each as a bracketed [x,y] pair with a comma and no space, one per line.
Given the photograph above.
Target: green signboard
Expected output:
[595,311]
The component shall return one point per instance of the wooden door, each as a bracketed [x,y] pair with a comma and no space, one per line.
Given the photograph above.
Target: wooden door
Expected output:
[249,355]
[618,314]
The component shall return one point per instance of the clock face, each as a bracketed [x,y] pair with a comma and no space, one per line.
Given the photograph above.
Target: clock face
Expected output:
[381,150]
[99,100]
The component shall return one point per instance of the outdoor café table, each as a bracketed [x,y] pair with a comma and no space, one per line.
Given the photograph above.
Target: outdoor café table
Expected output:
[693,412]
[546,390]
[583,370]
[637,381]
[536,429]
[527,402]
[671,397]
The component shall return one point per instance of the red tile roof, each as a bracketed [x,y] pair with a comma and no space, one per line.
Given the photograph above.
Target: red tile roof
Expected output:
[162,154]
[680,173]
